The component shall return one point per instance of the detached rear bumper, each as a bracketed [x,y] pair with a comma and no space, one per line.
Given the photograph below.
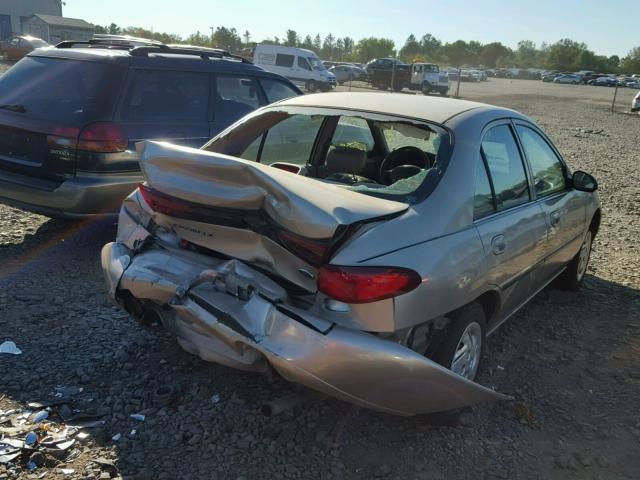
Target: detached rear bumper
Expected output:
[225,312]
[78,197]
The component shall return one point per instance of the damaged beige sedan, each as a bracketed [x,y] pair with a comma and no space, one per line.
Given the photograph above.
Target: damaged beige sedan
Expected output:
[362,244]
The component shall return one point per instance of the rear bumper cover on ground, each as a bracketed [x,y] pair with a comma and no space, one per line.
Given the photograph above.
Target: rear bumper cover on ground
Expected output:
[223,311]
[78,197]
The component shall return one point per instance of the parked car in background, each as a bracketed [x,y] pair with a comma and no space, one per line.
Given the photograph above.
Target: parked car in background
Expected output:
[635,103]
[634,84]
[15,48]
[348,73]
[549,77]
[70,116]
[301,66]
[366,249]
[574,79]
[605,81]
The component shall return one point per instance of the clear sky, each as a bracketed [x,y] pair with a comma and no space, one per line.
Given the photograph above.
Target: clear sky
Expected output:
[608,27]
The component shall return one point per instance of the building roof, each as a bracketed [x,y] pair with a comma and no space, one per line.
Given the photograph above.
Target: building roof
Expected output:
[64,21]
[436,109]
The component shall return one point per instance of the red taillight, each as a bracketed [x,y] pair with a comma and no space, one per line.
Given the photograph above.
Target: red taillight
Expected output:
[102,137]
[365,284]
[312,251]
[163,203]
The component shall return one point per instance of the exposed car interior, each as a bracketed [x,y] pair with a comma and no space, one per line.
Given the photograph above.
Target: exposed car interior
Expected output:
[360,152]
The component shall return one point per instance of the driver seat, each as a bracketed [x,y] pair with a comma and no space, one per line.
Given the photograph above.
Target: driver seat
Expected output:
[345,165]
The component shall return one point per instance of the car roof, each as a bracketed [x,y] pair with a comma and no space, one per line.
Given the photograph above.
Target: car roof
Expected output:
[162,60]
[434,109]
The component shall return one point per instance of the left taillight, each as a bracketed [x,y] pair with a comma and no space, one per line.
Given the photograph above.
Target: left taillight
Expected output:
[102,137]
[365,284]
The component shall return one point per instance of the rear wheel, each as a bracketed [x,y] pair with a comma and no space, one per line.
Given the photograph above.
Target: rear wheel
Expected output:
[462,346]
[573,276]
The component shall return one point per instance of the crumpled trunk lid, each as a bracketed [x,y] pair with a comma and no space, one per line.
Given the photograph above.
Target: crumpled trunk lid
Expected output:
[302,205]
[256,213]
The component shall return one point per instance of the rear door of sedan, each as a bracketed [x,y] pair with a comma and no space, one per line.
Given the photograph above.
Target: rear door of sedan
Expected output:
[563,207]
[510,223]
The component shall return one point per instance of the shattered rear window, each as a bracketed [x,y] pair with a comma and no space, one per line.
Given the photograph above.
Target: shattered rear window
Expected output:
[347,148]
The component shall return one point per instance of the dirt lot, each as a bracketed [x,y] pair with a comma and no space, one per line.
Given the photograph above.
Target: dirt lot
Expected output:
[571,361]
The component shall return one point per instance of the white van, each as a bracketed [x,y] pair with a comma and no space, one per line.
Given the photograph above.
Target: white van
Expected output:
[302,67]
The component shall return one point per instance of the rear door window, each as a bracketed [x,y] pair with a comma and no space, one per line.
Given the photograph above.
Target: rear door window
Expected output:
[235,96]
[166,96]
[506,168]
[276,90]
[68,92]
[546,167]
[290,141]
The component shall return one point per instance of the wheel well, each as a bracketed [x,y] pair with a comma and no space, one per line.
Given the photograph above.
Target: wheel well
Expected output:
[490,301]
[595,222]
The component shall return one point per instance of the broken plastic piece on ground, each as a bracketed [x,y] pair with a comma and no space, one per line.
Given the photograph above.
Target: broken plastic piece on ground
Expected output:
[9,347]
[138,416]
[116,437]
[88,423]
[30,439]
[65,471]
[63,392]
[82,435]
[215,399]
[7,455]
[65,445]
[38,417]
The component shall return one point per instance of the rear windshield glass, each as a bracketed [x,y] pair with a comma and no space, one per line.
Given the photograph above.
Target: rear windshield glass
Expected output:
[378,155]
[70,92]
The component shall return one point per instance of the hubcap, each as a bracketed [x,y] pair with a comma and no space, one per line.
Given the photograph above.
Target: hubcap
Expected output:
[467,356]
[583,258]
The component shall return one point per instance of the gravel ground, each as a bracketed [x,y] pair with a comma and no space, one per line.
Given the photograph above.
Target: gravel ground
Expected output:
[571,360]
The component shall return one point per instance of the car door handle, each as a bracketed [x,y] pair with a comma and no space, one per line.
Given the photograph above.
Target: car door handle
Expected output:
[554,219]
[498,244]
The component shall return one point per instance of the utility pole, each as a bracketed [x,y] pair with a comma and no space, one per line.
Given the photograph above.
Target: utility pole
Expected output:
[212,36]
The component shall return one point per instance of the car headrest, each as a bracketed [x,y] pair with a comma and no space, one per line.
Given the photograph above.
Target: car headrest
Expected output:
[346,160]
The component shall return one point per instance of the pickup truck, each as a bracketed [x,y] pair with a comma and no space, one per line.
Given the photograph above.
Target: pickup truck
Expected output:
[385,73]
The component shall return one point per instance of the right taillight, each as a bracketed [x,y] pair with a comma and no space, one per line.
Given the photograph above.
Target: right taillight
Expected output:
[365,284]
[102,137]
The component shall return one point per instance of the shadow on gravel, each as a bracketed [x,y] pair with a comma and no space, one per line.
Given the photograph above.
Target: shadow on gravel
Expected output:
[55,241]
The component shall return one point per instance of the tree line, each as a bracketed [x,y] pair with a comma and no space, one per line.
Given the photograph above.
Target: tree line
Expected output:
[564,55]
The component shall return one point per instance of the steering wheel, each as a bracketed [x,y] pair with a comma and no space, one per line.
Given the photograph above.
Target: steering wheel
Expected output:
[403,162]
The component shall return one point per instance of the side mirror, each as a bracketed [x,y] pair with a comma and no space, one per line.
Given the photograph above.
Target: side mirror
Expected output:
[584,182]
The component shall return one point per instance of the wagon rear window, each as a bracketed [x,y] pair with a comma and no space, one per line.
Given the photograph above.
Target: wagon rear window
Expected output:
[69,92]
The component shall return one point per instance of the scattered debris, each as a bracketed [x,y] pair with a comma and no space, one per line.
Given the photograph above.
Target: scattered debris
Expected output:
[215,399]
[138,416]
[10,347]
[116,437]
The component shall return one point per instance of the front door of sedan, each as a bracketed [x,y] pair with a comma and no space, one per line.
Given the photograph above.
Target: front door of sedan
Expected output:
[563,207]
[511,225]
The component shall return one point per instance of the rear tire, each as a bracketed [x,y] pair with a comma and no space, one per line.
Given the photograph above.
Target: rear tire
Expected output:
[462,346]
[573,276]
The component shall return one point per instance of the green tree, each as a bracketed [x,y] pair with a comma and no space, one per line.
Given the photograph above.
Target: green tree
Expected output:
[307,42]
[456,53]
[372,47]
[327,47]
[348,46]
[430,46]
[317,44]
[199,39]
[631,63]
[563,54]
[494,54]
[411,49]
[526,55]
[227,39]
[292,39]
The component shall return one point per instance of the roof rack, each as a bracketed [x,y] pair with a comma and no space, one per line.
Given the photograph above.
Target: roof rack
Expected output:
[143,47]
[203,52]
